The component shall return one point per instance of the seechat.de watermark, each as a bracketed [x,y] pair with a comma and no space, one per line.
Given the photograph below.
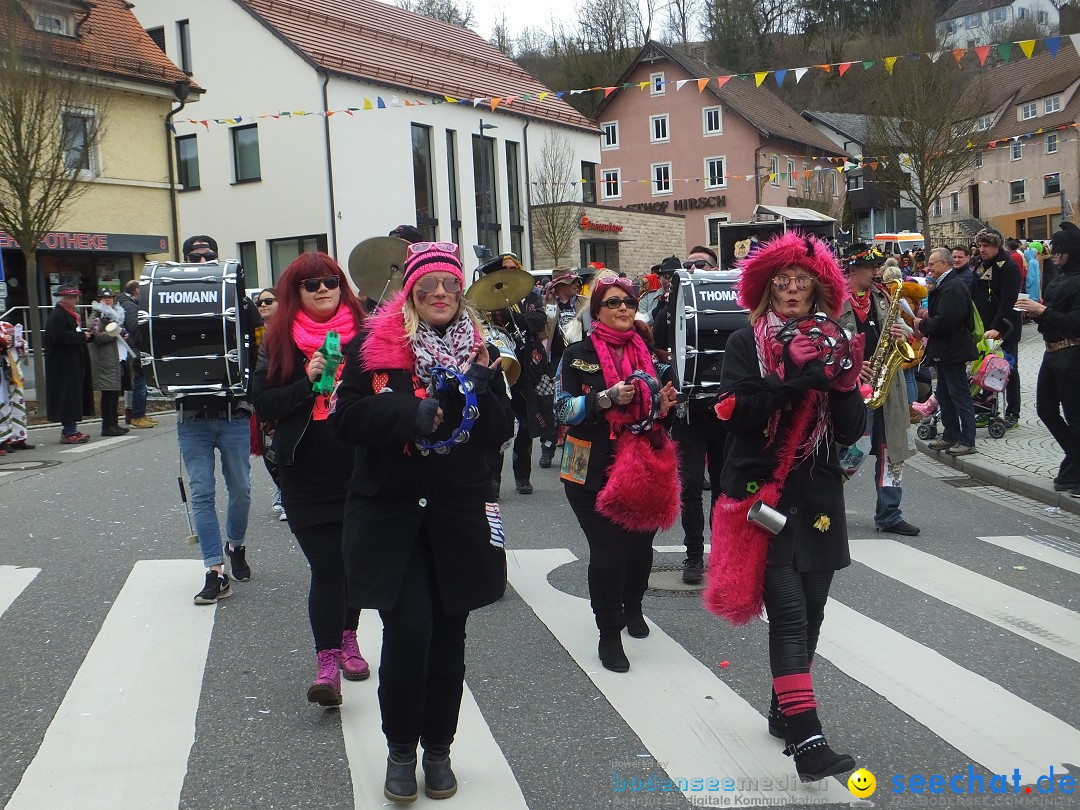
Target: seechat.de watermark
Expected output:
[971,783]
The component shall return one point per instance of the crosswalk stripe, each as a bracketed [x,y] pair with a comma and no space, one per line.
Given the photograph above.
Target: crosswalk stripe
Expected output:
[127,723]
[983,720]
[13,581]
[686,717]
[484,776]
[1045,623]
[83,448]
[1036,551]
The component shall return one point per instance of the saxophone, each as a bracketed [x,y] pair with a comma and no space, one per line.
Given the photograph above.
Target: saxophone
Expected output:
[890,353]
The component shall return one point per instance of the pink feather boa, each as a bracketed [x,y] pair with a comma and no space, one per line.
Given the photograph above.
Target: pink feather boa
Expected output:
[387,345]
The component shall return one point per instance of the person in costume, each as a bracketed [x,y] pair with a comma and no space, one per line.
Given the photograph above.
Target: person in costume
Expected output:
[12,389]
[68,395]
[422,544]
[108,351]
[788,401]
[619,465]
[314,299]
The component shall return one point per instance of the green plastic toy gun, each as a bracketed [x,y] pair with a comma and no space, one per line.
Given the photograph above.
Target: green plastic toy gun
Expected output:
[331,350]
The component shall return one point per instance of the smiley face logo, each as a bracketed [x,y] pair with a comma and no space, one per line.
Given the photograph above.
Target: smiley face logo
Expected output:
[862,783]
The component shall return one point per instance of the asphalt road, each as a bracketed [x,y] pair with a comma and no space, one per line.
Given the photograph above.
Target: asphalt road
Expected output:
[955,650]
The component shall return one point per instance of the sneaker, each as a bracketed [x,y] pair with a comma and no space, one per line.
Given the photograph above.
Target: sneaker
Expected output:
[240,570]
[545,458]
[524,487]
[326,688]
[353,665]
[114,430]
[276,505]
[693,571]
[1012,421]
[939,444]
[217,587]
[71,438]
[83,437]
[143,422]
[282,516]
[20,445]
[982,420]
[961,450]
[1075,492]
[901,527]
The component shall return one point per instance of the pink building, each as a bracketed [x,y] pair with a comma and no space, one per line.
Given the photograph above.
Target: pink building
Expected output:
[711,155]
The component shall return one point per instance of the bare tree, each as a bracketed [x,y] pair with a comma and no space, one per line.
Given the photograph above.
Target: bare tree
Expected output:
[554,217]
[447,11]
[500,33]
[680,20]
[741,32]
[51,120]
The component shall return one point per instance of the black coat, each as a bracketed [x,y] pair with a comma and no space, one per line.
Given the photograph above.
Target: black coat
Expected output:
[130,305]
[814,488]
[526,327]
[994,289]
[397,494]
[949,323]
[68,395]
[1061,320]
[580,374]
[288,405]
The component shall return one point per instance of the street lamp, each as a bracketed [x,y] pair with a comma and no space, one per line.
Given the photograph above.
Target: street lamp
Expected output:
[482,235]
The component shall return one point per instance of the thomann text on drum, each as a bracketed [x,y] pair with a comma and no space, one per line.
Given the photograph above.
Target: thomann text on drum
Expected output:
[188,297]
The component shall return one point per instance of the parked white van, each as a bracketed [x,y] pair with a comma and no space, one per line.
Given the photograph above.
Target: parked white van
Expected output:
[894,244]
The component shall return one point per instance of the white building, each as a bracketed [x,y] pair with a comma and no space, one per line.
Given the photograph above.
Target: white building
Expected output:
[267,187]
[970,23]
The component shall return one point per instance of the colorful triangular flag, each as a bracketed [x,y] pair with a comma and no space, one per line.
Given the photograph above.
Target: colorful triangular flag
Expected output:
[1027,46]
[983,51]
[701,83]
[1052,45]
[759,77]
[779,75]
[890,63]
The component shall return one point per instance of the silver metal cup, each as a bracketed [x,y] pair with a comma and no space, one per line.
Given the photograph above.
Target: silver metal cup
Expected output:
[766,517]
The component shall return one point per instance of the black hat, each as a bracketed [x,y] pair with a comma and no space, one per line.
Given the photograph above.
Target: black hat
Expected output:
[191,241]
[408,233]
[496,263]
[105,292]
[670,266]
[1067,240]
[864,260]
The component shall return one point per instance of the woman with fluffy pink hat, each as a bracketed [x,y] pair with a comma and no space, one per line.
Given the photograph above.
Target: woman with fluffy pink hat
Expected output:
[789,396]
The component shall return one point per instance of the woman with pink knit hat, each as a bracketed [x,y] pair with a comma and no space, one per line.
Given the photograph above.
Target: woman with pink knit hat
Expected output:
[423,398]
[790,388]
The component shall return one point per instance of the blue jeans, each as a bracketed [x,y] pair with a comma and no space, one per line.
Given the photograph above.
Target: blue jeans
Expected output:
[232,438]
[887,512]
[138,392]
[954,400]
[912,386]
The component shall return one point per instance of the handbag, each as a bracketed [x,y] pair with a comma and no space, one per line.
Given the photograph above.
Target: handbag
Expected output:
[638,495]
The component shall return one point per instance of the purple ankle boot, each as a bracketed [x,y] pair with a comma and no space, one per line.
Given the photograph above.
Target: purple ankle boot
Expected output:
[326,688]
[353,665]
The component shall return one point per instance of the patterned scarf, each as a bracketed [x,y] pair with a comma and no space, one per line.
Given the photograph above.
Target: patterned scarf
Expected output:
[450,349]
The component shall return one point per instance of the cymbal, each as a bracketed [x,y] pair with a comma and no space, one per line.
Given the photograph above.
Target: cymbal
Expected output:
[377,266]
[500,289]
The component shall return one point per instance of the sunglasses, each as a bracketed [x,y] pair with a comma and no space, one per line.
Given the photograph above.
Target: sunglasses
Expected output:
[429,284]
[207,256]
[697,264]
[615,303]
[312,284]
[265,302]
[782,281]
[423,247]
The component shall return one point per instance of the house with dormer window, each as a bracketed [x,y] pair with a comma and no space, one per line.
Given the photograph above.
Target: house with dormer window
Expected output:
[971,23]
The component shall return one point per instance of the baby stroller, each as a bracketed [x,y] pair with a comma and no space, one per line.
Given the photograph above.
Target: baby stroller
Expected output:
[988,380]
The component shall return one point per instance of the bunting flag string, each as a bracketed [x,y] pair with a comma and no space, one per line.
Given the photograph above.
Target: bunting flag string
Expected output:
[1004,51]
[805,174]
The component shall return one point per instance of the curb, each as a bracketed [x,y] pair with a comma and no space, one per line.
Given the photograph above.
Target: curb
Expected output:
[1007,478]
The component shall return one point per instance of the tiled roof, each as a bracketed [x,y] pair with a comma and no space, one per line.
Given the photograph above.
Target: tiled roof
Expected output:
[963,8]
[1028,79]
[380,43]
[764,110]
[111,42]
[854,126]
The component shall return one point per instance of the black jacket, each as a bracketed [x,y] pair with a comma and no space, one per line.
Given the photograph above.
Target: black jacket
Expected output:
[580,374]
[288,404]
[994,290]
[1061,320]
[949,323]
[68,392]
[131,320]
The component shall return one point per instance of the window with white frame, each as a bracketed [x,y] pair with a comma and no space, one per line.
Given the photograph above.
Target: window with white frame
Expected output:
[1051,143]
[658,128]
[1017,150]
[1052,104]
[657,84]
[610,130]
[954,202]
[55,22]
[1021,13]
[612,184]
[972,20]
[983,123]
[714,172]
[998,15]
[77,133]
[821,181]
[712,223]
[774,170]
[832,184]
[854,182]
[937,207]
[806,178]
[1029,110]
[661,178]
[978,160]
[712,121]
[791,174]
[1043,17]
[1051,184]
[1016,191]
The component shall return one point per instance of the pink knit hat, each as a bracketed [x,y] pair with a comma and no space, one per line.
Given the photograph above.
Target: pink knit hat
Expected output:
[785,250]
[430,257]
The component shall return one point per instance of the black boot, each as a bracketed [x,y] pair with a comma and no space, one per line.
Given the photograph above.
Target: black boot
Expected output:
[401,773]
[636,625]
[439,779]
[611,652]
[777,722]
[814,759]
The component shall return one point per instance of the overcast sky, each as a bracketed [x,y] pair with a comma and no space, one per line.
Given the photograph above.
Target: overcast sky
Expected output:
[522,14]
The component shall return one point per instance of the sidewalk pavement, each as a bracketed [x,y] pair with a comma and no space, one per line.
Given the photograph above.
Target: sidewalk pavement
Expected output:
[1026,459]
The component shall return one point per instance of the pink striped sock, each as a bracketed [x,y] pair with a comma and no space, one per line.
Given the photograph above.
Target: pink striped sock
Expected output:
[795,693]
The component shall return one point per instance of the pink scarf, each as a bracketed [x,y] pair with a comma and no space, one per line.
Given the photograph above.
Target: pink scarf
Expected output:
[309,336]
[635,357]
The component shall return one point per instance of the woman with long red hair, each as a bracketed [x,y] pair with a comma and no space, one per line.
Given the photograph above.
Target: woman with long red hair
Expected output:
[314,300]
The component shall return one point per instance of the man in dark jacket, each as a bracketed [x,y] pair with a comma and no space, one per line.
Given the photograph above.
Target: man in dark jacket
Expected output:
[129,302]
[994,290]
[947,327]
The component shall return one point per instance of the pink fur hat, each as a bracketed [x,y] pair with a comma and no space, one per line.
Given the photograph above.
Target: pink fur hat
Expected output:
[784,250]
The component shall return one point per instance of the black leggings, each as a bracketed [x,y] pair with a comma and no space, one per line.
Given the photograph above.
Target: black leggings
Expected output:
[620,562]
[327,610]
[422,669]
[795,603]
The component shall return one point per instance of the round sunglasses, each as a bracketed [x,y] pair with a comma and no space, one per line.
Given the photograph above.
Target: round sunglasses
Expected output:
[429,284]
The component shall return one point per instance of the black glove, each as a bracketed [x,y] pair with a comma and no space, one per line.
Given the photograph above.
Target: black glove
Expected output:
[425,416]
[479,375]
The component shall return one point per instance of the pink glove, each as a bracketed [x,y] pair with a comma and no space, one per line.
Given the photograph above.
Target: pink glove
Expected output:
[847,379]
[801,351]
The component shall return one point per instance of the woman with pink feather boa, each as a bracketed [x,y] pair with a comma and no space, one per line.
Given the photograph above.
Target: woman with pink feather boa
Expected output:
[619,464]
[788,398]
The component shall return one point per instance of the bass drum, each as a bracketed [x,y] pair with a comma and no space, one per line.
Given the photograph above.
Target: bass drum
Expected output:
[704,311]
[195,337]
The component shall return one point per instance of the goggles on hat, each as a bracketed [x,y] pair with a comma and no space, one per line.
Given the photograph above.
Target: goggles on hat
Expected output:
[423,247]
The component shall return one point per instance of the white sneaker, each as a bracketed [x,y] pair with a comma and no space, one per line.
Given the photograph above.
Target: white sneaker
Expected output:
[276,505]
[282,517]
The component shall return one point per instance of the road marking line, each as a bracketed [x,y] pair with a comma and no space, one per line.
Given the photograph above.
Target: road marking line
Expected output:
[686,717]
[978,717]
[13,581]
[485,779]
[1045,623]
[676,549]
[1037,551]
[127,723]
[82,448]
